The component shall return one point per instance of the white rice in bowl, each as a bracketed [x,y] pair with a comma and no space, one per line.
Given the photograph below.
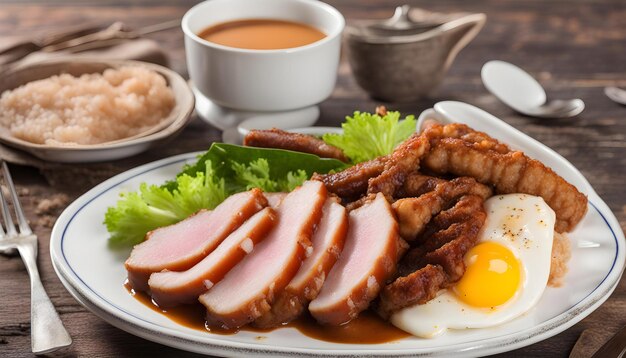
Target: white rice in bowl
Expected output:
[90,109]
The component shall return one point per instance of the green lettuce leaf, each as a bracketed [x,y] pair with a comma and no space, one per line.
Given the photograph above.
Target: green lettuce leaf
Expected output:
[257,175]
[367,136]
[222,171]
[281,161]
[154,206]
[293,180]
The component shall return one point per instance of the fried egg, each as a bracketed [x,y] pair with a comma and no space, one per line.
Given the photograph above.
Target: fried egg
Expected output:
[506,272]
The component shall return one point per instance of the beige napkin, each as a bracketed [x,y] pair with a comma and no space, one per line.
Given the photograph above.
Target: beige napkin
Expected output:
[12,48]
[114,49]
[26,51]
[17,51]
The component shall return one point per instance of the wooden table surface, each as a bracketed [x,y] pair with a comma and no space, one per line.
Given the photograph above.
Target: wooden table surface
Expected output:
[574,48]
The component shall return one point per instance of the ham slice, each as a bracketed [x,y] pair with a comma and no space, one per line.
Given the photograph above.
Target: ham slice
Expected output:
[248,290]
[180,246]
[327,243]
[274,199]
[169,288]
[372,249]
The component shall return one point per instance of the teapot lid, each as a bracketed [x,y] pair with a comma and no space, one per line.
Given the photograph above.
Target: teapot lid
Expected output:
[406,25]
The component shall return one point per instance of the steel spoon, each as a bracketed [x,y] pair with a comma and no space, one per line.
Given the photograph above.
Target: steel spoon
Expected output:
[616,94]
[520,91]
[557,109]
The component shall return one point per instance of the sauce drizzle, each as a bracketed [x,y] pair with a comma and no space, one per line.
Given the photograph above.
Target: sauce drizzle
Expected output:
[368,328]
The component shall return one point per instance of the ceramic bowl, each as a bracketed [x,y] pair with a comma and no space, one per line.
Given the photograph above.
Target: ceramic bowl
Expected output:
[169,127]
[263,80]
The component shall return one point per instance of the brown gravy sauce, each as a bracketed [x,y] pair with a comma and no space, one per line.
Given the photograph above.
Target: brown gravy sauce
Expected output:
[368,328]
[262,34]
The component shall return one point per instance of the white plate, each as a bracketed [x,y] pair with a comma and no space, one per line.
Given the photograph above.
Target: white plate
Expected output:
[94,274]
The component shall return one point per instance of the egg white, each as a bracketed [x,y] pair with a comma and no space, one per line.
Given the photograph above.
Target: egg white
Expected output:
[525,225]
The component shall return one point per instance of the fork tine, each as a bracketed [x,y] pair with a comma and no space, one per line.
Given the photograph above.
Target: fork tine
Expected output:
[24,228]
[5,212]
[6,215]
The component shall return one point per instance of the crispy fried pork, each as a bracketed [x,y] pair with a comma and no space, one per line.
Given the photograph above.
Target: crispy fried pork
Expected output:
[384,174]
[437,260]
[465,218]
[459,150]
[351,183]
[417,184]
[442,219]
[402,162]
[415,212]
[276,138]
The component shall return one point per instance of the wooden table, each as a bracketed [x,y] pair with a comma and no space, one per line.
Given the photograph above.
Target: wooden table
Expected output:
[574,48]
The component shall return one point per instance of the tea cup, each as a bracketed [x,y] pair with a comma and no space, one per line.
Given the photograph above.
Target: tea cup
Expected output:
[263,80]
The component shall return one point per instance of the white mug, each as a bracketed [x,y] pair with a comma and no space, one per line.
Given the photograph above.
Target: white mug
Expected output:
[264,80]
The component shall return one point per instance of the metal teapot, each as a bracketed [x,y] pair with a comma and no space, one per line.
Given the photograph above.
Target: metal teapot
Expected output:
[407,56]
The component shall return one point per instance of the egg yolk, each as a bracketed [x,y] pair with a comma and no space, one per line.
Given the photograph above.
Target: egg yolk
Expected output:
[491,278]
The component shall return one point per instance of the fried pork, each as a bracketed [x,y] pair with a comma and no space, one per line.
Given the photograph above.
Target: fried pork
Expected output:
[276,138]
[384,174]
[441,219]
[402,162]
[351,183]
[415,212]
[457,149]
[436,259]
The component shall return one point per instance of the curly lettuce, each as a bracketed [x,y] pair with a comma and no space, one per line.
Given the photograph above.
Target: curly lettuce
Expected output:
[137,213]
[367,136]
[257,175]
[221,171]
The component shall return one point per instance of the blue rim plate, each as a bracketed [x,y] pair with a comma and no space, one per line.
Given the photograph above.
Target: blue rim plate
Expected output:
[94,274]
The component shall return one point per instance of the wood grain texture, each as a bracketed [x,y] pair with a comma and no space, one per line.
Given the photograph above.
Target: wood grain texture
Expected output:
[574,48]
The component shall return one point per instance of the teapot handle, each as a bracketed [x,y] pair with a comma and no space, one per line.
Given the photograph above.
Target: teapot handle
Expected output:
[468,26]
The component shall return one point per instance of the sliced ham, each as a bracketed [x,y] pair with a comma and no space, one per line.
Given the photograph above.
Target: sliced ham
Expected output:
[327,243]
[249,289]
[274,199]
[169,288]
[368,259]
[180,246]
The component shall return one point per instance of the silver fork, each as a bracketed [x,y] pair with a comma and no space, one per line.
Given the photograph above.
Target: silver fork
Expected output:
[47,332]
